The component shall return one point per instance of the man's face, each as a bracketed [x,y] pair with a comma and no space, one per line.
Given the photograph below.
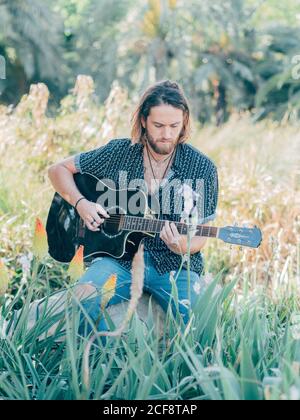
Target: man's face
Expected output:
[163,128]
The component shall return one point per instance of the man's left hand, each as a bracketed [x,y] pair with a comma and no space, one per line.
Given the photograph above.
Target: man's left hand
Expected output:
[177,243]
[172,238]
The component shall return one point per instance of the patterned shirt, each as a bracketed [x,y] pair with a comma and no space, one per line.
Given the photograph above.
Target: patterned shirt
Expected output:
[122,161]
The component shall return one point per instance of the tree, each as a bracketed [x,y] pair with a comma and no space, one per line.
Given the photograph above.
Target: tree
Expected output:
[31,41]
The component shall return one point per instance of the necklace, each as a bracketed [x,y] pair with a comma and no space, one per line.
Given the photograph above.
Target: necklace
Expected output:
[169,157]
[160,161]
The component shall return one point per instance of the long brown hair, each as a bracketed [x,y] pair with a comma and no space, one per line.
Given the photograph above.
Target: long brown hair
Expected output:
[164,92]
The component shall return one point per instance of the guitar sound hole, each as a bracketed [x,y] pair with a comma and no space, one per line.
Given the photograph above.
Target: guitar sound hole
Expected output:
[111,225]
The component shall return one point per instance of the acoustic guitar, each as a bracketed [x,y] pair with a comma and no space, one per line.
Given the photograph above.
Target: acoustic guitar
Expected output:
[131,220]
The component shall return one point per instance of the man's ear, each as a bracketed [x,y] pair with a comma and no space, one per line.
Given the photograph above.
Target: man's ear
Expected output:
[143,122]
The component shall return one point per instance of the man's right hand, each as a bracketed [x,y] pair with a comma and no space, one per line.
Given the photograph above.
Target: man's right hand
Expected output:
[62,178]
[92,214]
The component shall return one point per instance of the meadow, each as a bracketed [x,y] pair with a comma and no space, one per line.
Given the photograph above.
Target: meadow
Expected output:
[244,339]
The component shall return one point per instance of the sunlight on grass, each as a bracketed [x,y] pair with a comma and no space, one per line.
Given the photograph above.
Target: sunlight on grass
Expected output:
[243,341]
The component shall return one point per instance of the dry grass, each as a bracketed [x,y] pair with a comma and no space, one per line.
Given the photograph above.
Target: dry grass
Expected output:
[240,346]
[259,174]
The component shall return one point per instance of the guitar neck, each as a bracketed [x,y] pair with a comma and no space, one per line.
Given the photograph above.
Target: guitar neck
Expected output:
[141,224]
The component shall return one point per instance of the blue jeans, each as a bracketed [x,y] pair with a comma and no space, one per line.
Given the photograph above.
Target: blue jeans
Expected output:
[159,286]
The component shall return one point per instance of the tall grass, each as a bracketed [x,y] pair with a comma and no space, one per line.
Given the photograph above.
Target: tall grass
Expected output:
[248,350]
[243,341]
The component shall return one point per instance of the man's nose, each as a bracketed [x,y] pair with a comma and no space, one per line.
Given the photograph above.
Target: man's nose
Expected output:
[167,133]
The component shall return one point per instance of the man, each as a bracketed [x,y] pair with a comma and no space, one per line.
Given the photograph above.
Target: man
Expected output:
[158,155]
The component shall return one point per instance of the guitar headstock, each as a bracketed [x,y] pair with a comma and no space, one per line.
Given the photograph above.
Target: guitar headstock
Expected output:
[242,236]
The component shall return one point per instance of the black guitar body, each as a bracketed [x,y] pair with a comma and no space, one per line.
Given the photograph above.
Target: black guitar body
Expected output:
[66,230]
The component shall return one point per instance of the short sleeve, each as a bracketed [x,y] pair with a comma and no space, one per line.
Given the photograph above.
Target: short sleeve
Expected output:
[97,160]
[211,195]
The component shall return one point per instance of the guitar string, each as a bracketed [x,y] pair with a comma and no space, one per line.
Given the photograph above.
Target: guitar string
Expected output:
[180,226]
[204,231]
[201,230]
[182,231]
[115,220]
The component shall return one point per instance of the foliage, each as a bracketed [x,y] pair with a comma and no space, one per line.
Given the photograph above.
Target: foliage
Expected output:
[229,56]
[31,42]
[244,340]
[232,351]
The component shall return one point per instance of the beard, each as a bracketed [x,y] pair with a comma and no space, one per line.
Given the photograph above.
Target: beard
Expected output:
[160,147]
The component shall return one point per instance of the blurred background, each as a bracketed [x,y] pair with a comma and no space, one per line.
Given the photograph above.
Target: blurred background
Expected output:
[234,55]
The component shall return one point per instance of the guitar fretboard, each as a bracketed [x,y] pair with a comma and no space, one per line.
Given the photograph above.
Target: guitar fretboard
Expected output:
[141,224]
